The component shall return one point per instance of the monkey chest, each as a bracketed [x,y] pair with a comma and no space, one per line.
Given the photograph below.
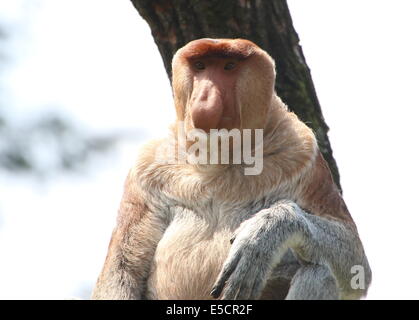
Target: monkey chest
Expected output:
[188,258]
[190,255]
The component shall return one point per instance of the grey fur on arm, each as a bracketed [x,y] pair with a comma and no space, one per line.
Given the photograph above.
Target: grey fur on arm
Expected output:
[261,241]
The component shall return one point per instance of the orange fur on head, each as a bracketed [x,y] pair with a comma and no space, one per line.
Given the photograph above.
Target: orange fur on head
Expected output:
[222,48]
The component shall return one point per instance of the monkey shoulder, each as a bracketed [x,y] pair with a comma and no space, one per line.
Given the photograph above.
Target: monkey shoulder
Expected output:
[144,175]
[319,195]
[311,182]
[150,160]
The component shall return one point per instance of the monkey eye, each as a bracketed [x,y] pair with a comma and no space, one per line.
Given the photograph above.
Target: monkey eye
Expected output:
[229,66]
[199,65]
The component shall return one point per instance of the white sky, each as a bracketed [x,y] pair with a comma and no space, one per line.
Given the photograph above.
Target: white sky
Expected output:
[96,61]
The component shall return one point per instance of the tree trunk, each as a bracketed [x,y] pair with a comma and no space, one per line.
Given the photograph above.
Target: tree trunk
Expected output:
[267,23]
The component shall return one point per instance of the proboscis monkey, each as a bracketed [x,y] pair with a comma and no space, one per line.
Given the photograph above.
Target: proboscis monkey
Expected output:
[204,230]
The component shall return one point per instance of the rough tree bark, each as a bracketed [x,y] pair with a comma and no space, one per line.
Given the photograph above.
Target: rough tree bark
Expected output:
[268,23]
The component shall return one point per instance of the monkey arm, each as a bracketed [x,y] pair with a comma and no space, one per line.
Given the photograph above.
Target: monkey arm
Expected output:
[261,241]
[131,249]
[337,246]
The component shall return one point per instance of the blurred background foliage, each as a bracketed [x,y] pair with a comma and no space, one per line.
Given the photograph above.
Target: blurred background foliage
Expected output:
[46,145]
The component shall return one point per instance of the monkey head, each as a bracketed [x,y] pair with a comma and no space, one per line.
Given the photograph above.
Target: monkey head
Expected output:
[223,84]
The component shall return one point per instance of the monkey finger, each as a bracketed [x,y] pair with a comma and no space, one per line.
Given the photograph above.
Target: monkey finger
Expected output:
[241,291]
[249,277]
[228,268]
[245,283]
[258,285]
[240,282]
[251,289]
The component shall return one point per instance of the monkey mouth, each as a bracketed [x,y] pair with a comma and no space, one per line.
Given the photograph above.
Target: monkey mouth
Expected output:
[225,117]
[226,123]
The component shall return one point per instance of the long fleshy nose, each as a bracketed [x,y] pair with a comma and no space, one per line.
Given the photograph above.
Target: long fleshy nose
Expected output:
[206,105]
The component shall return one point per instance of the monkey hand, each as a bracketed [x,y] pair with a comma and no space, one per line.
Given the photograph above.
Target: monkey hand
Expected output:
[257,246]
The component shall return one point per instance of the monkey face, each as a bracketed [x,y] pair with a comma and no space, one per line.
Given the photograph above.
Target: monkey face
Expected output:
[223,84]
[213,103]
